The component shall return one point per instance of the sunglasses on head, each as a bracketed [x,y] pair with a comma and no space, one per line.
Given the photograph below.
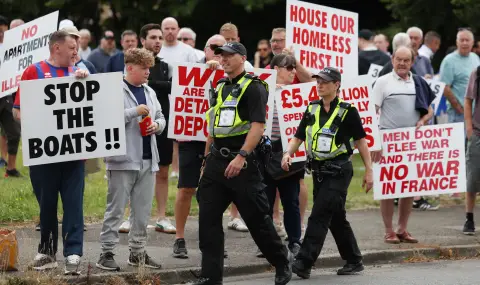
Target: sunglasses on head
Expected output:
[289,67]
[214,47]
[183,39]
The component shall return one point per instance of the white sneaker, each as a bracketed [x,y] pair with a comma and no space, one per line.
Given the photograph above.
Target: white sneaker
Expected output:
[174,175]
[125,227]
[72,265]
[165,226]
[43,262]
[237,225]
[280,229]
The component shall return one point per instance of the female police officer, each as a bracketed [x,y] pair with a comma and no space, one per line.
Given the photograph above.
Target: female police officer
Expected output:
[330,127]
[236,121]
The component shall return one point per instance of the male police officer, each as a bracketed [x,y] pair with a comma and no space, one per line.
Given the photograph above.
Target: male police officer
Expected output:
[330,128]
[236,120]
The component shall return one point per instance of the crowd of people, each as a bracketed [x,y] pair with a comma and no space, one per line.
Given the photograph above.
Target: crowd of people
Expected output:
[153,160]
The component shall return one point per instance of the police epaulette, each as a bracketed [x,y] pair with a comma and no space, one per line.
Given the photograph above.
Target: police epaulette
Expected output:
[315,102]
[345,105]
[223,80]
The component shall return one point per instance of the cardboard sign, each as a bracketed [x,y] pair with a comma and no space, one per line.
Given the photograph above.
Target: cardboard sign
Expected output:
[23,46]
[374,70]
[191,84]
[427,161]
[437,87]
[292,102]
[65,119]
[323,36]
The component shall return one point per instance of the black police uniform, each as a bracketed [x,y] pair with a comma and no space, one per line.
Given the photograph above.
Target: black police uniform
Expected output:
[216,192]
[331,179]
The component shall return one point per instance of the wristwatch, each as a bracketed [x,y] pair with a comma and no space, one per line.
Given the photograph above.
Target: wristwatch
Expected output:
[243,153]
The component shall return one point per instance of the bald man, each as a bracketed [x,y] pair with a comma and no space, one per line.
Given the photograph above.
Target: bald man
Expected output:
[172,51]
[381,41]
[15,23]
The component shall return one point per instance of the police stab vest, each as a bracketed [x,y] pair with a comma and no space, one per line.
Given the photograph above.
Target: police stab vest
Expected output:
[222,118]
[320,140]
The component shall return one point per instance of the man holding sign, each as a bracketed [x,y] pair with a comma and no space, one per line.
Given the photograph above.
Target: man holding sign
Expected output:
[236,121]
[64,177]
[330,129]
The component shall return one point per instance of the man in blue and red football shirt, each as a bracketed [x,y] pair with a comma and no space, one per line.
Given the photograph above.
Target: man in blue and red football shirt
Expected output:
[64,177]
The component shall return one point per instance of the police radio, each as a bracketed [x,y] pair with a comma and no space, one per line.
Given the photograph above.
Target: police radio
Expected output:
[213,95]
[309,119]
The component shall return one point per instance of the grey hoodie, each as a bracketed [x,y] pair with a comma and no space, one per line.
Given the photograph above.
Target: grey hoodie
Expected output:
[133,159]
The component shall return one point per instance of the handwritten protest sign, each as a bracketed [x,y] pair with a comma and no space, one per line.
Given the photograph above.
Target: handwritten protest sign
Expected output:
[427,161]
[437,87]
[190,99]
[65,119]
[323,36]
[23,46]
[293,100]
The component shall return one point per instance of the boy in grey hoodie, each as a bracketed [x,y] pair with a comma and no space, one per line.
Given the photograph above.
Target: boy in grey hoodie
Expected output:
[131,176]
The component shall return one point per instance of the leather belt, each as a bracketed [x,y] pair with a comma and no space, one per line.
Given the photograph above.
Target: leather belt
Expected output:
[225,153]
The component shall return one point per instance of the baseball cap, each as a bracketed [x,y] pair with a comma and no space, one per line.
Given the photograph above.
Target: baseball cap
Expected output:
[108,36]
[329,74]
[366,34]
[72,30]
[65,23]
[233,47]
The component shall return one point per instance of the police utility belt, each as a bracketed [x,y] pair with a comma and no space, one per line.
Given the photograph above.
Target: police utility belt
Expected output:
[226,153]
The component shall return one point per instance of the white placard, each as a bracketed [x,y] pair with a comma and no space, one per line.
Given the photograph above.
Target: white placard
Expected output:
[66,119]
[22,46]
[427,161]
[323,36]
[437,87]
[374,70]
[190,99]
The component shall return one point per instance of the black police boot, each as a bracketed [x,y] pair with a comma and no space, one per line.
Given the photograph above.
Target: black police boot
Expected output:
[351,268]
[207,281]
[302,270]
[283,273]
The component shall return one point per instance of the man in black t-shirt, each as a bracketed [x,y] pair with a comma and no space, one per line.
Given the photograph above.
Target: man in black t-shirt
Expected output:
[330,129]
[369,53]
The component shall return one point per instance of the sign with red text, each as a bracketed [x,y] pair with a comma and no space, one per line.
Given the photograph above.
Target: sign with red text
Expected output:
[427,161]
[323,36]
[292,101]
[23,46]
[191,85]
[358,92]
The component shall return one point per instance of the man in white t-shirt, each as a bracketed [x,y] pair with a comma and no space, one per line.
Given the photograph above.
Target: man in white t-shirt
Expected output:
[230,32]
[172,51]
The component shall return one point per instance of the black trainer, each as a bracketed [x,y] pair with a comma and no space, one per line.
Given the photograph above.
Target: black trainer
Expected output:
[180,248]
[469,228]
[142,259]
[303,271]
[12,173]
[283,274]
[351,269]
[106,262]
[207,281]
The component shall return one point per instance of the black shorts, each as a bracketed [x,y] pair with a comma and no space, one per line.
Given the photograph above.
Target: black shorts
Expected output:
[190,162]
[165,148]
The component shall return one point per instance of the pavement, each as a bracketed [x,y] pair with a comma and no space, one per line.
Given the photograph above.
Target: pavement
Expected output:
[433,273]
[442,228]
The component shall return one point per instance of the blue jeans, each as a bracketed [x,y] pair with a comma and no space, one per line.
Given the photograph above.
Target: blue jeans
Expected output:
[289,190]
[66,178]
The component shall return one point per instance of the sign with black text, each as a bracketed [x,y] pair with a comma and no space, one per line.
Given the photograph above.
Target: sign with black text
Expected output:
[66,119]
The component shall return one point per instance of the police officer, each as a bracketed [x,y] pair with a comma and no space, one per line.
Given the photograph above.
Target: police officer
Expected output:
[330,129]
[236,121]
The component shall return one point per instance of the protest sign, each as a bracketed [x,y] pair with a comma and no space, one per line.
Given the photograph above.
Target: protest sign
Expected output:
[374,70]
[323,36]
[65,119]
[23,46]
[427,161]
[437,87]
[293,100]
[191,85]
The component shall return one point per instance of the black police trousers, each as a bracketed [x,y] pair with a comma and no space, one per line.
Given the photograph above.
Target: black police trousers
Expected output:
[328,212]
[214,195]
